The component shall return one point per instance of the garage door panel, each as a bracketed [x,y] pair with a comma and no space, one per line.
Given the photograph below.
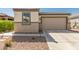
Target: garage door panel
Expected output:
[54,23]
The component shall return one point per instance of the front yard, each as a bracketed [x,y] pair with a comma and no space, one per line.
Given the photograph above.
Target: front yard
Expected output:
[56,40]
[20,42]
[27,43]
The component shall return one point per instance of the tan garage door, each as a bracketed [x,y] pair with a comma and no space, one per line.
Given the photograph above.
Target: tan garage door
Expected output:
[54,23]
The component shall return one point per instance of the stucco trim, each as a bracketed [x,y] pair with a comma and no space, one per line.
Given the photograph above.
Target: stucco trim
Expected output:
[21,22]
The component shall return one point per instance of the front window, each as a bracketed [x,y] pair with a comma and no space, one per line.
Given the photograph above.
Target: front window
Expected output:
[26,18]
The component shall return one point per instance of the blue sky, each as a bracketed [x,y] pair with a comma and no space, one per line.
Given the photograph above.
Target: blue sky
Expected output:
[10,12]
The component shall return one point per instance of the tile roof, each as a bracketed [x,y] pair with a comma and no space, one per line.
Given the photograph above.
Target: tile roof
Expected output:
[4,15]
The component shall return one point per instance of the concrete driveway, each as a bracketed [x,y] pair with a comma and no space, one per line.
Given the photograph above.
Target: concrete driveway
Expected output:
[62,39]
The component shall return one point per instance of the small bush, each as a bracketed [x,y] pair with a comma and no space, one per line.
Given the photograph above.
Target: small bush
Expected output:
[7,42]
[6,25]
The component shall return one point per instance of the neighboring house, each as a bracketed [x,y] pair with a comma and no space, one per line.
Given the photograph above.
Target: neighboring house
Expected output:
[74,21]
[31,20]
[5,17]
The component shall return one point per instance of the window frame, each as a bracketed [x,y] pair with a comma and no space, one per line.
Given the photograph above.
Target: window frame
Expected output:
[26,23]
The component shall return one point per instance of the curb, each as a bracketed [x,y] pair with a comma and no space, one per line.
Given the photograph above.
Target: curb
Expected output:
[74,31]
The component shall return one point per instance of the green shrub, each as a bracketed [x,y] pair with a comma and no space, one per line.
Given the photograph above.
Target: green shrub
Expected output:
[6,25]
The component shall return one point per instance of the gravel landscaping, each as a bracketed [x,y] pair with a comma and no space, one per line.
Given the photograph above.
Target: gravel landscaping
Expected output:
[28,43]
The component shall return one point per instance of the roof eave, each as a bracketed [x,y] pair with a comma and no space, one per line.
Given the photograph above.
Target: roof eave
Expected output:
[52,13]
[26,9]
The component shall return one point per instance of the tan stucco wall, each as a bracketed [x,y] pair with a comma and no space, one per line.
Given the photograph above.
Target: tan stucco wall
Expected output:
[48,21]
[18,16]
[34,17]
[54,23]
[34,27]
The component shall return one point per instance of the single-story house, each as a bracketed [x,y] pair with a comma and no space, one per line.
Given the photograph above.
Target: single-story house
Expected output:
[5,17]
[74,21]
[31,20]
